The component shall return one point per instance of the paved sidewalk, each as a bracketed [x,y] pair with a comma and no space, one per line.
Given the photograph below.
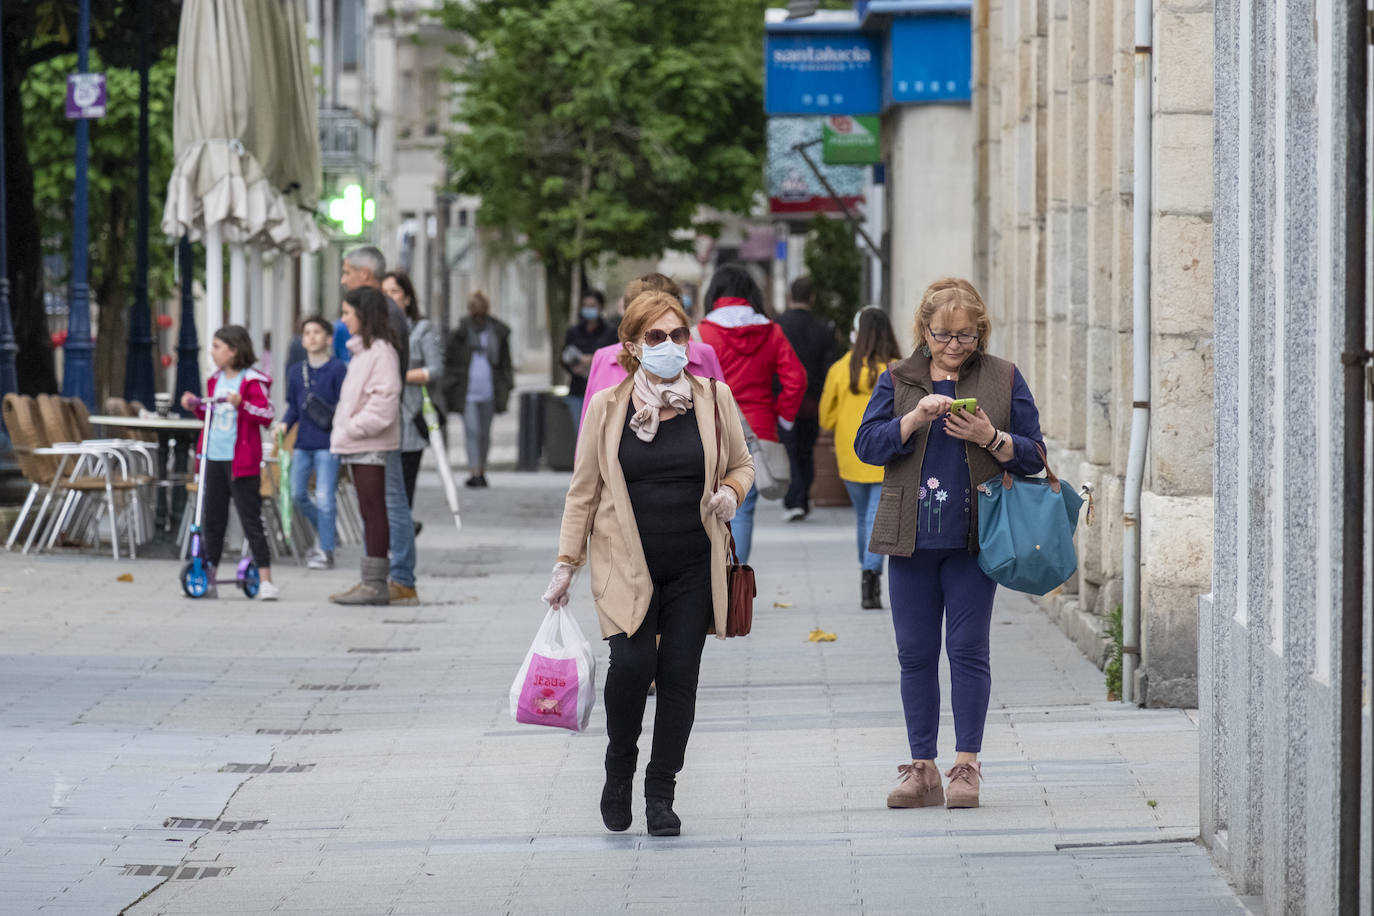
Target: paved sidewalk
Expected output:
[333,760]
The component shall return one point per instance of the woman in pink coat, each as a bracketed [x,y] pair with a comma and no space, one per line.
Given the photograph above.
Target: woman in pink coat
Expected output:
[367,425]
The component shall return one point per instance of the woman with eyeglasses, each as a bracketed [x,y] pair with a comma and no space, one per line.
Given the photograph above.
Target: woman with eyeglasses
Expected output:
[935,452]
[661,467]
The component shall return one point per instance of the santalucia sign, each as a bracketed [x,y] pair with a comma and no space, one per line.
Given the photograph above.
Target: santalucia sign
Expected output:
[815,73]
[819,58]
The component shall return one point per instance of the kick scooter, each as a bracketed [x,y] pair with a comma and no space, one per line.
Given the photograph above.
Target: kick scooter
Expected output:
[195,575]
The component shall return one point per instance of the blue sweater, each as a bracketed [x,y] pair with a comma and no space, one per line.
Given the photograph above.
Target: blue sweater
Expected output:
[326,382]
[945,499]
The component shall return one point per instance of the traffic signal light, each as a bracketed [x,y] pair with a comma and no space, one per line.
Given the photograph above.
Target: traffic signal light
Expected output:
[352,210]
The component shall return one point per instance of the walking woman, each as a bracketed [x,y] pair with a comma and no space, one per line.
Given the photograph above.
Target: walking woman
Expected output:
[655,482]
[367,425]
[426,369]
[478,379]
[927,522]
[753,353]
[848,385]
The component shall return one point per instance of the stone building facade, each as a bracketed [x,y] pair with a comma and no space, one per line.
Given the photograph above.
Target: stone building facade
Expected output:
[1270,653]
[1054,109]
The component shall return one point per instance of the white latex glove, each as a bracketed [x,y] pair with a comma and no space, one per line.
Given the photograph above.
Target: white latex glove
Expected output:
[556,595]
[723,504]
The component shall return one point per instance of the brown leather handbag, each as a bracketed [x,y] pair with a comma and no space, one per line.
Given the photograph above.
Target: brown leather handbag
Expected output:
[739,579]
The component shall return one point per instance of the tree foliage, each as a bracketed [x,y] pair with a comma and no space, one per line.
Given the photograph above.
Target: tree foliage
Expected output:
[37,32]
[835,265]
[594,127]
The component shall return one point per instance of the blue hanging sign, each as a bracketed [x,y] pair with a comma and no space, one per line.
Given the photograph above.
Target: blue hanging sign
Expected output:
[812,72]
[929,59]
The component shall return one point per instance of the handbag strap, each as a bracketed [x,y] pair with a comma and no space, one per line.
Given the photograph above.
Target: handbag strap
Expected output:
[1049,472]
[720,459]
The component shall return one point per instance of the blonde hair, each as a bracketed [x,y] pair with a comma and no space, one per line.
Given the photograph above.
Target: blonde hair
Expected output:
[947,294]
[646,309]
[651,283]
[479,304]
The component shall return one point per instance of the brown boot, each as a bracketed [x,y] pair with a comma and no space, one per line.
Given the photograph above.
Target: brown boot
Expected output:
[964,779]
[919,787]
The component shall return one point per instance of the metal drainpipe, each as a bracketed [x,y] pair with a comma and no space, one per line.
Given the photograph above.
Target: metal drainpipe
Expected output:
[1358,384]
[1140,356]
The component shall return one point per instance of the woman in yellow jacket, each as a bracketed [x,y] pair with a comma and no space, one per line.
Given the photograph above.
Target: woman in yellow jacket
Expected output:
[848,385]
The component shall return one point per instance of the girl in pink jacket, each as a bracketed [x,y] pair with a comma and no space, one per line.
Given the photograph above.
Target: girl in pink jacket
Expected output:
[233,450]
[367,425]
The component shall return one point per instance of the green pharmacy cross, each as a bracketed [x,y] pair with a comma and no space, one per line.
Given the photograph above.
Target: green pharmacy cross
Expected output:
[352,210]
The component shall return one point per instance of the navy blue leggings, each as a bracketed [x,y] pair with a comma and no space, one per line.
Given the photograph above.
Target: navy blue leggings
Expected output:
[924,588]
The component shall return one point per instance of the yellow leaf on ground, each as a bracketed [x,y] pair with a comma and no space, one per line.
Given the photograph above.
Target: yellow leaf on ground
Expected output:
[782,604]
[819,635]
[124,577]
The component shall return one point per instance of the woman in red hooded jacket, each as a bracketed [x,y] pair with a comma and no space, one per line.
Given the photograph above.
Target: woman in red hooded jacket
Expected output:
[753,351]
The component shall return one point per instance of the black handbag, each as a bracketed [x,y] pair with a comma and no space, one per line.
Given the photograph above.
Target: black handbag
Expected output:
[320,412]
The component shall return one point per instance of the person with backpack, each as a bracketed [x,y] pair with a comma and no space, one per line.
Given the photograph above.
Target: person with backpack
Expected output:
[312,392]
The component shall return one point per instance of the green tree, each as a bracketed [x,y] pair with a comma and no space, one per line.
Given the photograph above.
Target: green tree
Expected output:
[836,268]
[113,186]
[36,32]
[596,127]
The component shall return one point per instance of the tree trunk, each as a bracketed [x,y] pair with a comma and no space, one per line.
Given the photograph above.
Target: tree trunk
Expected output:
[557,281]
[34,361]
[111,293]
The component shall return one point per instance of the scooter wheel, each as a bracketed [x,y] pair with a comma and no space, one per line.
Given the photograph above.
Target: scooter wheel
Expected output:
[249,580]
[194,582]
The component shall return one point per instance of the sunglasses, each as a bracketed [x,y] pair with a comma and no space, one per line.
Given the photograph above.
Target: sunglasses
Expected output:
[654,336]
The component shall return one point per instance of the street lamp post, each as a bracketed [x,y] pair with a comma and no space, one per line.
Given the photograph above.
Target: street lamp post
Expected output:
[138,365]
[9,380]
[77,377]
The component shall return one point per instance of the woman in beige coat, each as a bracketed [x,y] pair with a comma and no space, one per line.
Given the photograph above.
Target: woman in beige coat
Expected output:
[654,485]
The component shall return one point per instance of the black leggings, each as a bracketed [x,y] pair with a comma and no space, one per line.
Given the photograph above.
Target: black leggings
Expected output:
[220,485]
[681,612]
[410,469]
[370,482]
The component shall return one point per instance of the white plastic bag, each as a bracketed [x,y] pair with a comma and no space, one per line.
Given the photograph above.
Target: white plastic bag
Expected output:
[556,685]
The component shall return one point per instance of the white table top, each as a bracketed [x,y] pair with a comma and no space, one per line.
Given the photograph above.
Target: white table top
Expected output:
[146,422]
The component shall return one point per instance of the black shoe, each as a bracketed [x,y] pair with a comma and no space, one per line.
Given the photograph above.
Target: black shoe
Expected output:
[473,481]
[662,821]
[482,480]
[871,590]
[419,526]
[615,803]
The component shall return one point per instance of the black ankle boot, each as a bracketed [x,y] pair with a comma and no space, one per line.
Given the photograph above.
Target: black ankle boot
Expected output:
[615,803]
[662,821]
[869,589]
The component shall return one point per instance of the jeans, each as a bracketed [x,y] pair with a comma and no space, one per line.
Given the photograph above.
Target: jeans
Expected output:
[399,519]
[800,442]
[923,588]
[680,611]
[742,525]
[319,507]
[477,433]
[864,496]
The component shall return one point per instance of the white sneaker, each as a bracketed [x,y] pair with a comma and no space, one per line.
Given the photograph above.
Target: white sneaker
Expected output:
[793,515]
[267,591]
[319,559]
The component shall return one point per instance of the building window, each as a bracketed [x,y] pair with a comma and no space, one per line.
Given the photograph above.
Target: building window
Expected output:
[347,14]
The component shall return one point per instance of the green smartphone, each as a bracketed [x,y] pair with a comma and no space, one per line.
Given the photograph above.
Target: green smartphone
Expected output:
[969,404]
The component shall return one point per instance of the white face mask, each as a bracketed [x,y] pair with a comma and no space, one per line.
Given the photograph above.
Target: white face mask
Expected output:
[853,338]
[666,360]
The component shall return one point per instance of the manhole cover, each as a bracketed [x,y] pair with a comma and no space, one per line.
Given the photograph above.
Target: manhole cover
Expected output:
[417,620]
[346,687]
[267,768]
[367,651]
[195,823]
[177,872]
[299,731]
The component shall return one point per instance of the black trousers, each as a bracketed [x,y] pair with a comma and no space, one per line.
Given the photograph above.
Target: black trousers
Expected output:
[220,485]
[410,470]
[680,611]
[800,442]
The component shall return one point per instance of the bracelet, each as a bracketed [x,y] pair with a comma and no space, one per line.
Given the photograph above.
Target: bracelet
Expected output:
[991,442]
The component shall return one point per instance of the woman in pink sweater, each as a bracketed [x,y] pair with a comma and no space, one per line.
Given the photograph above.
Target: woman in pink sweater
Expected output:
[367,425]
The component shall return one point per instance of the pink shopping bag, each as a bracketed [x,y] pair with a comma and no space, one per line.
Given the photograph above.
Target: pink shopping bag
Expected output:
[556,685]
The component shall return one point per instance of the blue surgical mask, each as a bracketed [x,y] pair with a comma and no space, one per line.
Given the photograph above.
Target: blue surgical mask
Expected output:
[591,314]
[665,360]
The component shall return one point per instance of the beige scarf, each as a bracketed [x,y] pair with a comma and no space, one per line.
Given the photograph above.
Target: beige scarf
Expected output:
[676,394]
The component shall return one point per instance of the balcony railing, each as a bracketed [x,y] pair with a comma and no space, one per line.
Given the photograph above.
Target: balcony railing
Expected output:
[345,141]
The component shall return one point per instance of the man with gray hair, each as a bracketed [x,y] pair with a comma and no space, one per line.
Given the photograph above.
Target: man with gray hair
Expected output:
[364,266]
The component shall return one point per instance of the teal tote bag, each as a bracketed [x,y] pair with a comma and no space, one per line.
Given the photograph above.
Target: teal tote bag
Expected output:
[1025,531]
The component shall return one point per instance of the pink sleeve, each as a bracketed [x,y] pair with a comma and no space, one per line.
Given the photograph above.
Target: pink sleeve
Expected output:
[703,358]
[605,372]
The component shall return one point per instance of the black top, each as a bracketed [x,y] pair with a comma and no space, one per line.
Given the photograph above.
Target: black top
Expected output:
[813,339]
[666,476]
[586,342]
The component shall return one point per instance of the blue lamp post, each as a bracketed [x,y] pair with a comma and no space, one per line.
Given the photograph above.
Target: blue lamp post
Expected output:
[138,364]
[78,379]
[8,379]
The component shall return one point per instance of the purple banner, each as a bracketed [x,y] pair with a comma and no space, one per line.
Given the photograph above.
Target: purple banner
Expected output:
[86,95]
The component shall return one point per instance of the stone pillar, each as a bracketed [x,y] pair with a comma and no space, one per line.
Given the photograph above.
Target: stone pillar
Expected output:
[1051,386]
